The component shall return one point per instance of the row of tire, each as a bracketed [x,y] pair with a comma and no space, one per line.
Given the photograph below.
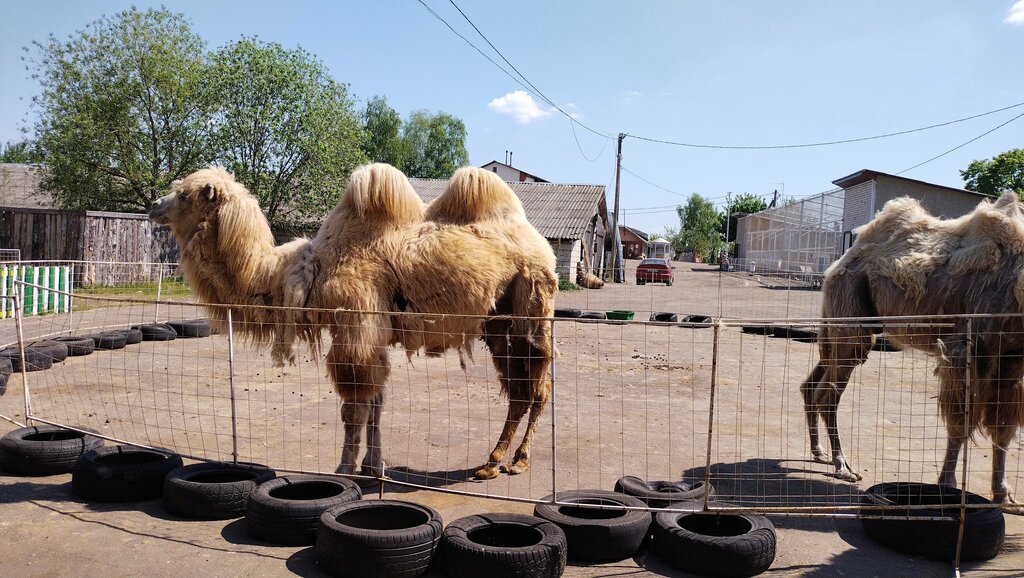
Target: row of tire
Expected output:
[42,354]
[808,335]
[693,320]
[394,538]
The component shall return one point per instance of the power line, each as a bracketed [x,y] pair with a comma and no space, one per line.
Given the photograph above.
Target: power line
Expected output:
[653,184]
[961,145]
[827,143]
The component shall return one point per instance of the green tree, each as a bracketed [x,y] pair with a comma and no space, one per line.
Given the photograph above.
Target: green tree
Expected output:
[1004,172]
[699,226]
[745,203]
[434,145]
[382,132]
[286,128]
[20,152]
[124,109]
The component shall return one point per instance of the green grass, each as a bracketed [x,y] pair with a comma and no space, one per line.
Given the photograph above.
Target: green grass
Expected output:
[171,289]
[567,285]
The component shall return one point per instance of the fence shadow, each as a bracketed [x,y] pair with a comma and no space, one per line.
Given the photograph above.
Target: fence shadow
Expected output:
[433,479]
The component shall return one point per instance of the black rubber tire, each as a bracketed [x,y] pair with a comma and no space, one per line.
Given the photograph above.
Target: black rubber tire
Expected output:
[709,544]
[156,332]
[758,329]
[568,313]
[44,450]
[6,369]
[503,546]
[664,316]
[287,510]
[668,283]
[132,336]
[598,535]
[109,340]
[700,321]
[593,315]
[378,538]
[639,282]
[191,327]
[122,473]
[800,334]
[984,529]
[77,345]
[212,491]
[35,360]
[57,351]
[661,494]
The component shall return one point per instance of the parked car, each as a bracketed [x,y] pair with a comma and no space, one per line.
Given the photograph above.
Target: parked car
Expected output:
[654,271]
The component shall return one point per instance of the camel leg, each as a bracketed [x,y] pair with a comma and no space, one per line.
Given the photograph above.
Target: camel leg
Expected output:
[1000,489]
[355,415]
[807,389]
[516,410]
[826,402]
[521,461]
[947,477]
[372,461]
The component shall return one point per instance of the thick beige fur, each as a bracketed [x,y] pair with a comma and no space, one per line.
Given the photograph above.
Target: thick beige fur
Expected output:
[906,262]
[383,270]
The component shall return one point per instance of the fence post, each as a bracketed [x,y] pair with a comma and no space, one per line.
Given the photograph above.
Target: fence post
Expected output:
[3,291]
[159,291]
[965,447]
[231,382]
[21,351]
[554,422]
[711,413]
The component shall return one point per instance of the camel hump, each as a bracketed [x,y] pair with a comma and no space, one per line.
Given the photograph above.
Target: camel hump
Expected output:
[381,193]
[476,195]
[897,217]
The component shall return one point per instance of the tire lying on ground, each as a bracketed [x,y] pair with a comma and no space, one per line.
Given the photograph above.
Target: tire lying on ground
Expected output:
[77,345]
[122,473]
[598,534]
[664,316]
[44,450]
[6,369]
[191,327]
[109,340]
[35,360]
[212,491]
[132,336]
[593,315]
[156,332]
[660,494]
[57,351]
[503,545]
[378,538]
[984,529]
[715,544]
[287,510]
[568,313]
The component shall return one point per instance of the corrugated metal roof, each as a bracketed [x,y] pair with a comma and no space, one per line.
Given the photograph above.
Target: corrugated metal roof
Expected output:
[558,211]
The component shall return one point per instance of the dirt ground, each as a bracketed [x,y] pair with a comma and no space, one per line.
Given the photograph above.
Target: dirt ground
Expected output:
[628,399]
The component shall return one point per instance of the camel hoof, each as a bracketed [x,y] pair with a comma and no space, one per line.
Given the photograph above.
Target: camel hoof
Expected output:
[1010,506]
[516,468]
[487,472]
[847,475]
[345,469]
[822,459]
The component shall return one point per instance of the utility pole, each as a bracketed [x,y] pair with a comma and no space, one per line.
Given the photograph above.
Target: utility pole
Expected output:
[616,242]
[728,221]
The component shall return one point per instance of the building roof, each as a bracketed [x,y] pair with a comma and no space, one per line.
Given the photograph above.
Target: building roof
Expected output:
[558,211]
[535,177]
[19,187]
[637,232]
[864,175]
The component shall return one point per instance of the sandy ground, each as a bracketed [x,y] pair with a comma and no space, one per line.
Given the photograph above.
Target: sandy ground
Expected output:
[628,399]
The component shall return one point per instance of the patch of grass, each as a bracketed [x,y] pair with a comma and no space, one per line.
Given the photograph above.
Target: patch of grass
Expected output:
[171,289]
[567,285]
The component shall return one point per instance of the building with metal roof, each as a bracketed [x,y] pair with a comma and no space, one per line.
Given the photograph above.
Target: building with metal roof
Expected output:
[573,218]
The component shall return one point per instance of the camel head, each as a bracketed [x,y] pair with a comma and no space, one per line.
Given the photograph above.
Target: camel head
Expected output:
[196,199]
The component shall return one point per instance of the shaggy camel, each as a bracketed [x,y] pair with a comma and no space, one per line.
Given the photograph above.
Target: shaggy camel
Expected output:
[906,262]
[381,260]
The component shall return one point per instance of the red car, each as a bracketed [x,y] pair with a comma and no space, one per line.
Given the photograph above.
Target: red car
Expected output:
[654,271]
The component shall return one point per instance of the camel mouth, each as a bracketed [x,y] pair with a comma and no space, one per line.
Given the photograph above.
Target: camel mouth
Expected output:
[158,213]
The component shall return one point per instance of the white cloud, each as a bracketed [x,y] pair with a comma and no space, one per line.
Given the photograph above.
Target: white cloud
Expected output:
[1016,15]
[630,96]
[520,106]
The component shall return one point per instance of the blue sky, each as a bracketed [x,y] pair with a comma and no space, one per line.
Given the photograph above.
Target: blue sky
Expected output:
[711,73]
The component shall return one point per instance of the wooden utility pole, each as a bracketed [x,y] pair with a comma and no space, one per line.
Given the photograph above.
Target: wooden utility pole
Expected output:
[616,243]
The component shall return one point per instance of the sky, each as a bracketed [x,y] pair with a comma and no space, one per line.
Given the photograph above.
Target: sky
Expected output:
[564,78]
